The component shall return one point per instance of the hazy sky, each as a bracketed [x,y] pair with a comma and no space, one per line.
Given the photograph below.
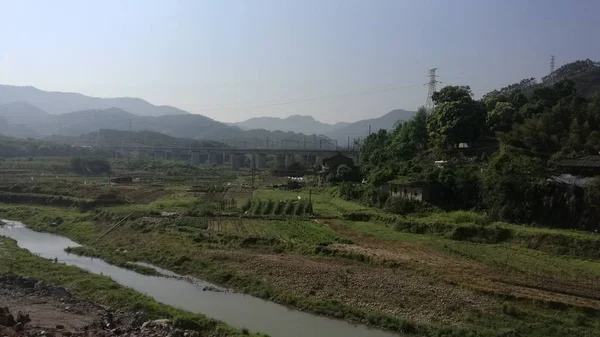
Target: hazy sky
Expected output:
[338,60]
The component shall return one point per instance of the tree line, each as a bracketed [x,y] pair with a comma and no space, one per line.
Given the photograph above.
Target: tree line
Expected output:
[496,154]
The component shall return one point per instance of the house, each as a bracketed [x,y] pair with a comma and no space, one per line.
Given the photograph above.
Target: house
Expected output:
[586,166]
[417,192]
[411,190]
[332,163]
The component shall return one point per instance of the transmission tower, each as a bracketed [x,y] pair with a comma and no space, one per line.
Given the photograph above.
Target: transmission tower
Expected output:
[431,85]
[551,68]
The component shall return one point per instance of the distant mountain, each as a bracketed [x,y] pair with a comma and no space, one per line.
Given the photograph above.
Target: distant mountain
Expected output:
[55,102]
[16,118]
[21,112]
[360,129]
[294,123]
[191,126]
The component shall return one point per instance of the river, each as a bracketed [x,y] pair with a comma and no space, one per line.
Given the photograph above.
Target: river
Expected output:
[235,309]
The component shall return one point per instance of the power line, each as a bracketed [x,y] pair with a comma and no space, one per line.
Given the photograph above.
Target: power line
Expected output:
[312,99]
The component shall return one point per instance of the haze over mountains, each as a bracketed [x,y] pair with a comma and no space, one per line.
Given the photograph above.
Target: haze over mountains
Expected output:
[56,102]
[31,112]
[339,131]
[294,123]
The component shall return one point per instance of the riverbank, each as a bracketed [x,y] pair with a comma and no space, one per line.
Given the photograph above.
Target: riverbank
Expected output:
[465,301]
[31,307]
[95,291]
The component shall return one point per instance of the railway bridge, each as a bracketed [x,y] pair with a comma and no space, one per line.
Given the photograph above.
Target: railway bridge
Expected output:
[236,157]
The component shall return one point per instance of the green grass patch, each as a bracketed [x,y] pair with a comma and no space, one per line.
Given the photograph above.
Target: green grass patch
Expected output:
[100,289]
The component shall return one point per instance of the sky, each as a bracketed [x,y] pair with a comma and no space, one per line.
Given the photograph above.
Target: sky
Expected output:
[337,60]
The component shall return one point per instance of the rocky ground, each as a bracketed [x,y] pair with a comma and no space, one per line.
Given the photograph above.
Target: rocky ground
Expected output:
[29,307]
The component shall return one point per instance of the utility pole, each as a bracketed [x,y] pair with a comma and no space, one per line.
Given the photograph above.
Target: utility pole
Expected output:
[369,129]
[551,69]
[431,89]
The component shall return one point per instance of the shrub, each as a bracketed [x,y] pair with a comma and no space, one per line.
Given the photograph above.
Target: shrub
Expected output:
[279,208]
[256,207]
[308,208]
[481,234]
[299,210]
[289,208]
[269,206]
[509,309]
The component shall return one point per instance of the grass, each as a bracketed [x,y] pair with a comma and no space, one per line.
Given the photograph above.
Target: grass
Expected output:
[177,250]
[101,289]
[461,234]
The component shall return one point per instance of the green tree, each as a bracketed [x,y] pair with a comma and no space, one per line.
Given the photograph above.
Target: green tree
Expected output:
[457,118]
[344,173]
[501,118]
[410,137]
[373,151]
[511,186]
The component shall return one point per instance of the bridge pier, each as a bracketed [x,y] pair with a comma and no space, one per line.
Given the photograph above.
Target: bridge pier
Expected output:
[211,158]
[237,161]
[195,158]
[318,160]
[258,161]
[279,161]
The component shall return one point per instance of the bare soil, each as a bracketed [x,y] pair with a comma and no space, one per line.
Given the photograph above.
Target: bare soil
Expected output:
[53,312]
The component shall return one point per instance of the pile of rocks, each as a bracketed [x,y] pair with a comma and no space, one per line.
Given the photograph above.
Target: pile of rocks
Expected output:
[8,320]
[107,326]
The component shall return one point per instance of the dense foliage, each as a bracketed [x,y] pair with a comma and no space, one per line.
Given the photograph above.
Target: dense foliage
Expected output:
[17,147]
[531,125]
[89,166]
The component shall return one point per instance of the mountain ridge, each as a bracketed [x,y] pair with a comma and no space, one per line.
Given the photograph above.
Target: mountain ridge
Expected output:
[59,102]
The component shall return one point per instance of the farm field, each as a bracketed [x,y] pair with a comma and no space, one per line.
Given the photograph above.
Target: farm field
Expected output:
[435,273]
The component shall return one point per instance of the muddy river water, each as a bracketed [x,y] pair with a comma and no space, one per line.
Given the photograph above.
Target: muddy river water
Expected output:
[237,310]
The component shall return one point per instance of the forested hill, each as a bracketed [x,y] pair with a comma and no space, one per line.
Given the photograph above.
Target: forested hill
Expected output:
[19,147]
[537,124]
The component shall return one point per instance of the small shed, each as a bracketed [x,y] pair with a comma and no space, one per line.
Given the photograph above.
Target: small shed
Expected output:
[588,165]
[417,191]
[332,163]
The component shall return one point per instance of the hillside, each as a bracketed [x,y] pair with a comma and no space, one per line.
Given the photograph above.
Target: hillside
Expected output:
[21,112]
[16,118]
[192,126]
[360,129]
[55,102]
[106,137]
[585,74]
[338,132]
